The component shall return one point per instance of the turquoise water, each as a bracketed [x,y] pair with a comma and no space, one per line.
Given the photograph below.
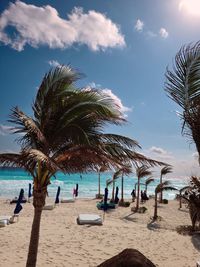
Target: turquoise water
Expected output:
[11,181]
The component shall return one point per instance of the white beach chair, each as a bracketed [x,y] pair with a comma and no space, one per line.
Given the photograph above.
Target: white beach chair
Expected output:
[67,200]
[49,207]
[6,219]
[198,263]
[91,219]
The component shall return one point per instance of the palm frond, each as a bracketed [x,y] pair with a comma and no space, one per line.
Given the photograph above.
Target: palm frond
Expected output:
[16,160]
[149,180]
[183,83]
[119,139]
[32,135]
[165,186]
[165,170]
[183,189]
[143,171]
[109,182]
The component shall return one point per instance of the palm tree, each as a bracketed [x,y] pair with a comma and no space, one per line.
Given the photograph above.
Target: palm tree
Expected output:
[141,172]
[148,181]
[126,170]
[99,170]
[160,187]
[181,191]
[66,134]
[183,87]
[165,170]
[115,176]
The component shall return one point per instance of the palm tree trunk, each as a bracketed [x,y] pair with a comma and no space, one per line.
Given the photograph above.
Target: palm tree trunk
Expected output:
[138,194]
[113,191]
[122,189]
[161,193]
[180,201]
[99,183]
[155,207]
[38,203]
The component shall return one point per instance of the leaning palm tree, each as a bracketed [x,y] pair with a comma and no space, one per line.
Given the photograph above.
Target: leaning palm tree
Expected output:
[148,182]
[141,172]
[125,170]
[66,134]
[183,87]
[165,170]
[115,176]
[165,186]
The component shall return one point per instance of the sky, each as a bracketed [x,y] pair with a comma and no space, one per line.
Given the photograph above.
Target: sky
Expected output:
[122,47]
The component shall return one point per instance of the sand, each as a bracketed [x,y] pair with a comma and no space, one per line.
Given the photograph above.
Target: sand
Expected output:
[64,243]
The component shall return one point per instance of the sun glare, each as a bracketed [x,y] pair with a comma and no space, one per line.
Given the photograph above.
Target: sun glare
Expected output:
[190,6]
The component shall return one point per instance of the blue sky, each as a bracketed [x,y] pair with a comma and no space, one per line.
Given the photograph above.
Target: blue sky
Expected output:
[122,46]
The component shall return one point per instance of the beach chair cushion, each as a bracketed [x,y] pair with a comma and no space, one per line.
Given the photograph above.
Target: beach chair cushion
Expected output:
[49,207]
[92,219]
[5,220]
[67,200]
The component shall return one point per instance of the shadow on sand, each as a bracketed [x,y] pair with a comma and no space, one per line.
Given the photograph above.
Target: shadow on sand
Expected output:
[153,225]
[129,218]
[196,240]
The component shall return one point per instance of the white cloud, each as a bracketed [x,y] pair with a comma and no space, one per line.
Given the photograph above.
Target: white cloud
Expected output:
[117,101]
[54,63]
[163,33]
[182,168]
[5,129]
[107,92]
[94,85]
[37,26]
[151,34]
[139,25]
[161,153]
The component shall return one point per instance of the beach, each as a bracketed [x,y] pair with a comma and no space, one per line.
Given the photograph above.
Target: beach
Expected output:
[64,243]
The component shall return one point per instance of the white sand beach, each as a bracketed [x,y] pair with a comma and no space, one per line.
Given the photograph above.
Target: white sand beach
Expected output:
[64,243]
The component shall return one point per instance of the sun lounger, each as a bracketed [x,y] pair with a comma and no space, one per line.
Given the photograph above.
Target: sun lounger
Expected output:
[49,207]
[67,200]
[198,263]
[52,206]
[91,219]
[5,219]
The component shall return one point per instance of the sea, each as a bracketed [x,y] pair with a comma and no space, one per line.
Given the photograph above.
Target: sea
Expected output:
[12,180]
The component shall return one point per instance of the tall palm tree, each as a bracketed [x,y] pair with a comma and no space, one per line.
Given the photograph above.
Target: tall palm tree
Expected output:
[165,170]
[65,134]
[165,186]
[125,170]
[141,172]
[183,86]
[99,170]
[148,181]
[115,176]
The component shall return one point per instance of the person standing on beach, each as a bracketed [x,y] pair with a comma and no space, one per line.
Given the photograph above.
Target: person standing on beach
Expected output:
[133,195]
